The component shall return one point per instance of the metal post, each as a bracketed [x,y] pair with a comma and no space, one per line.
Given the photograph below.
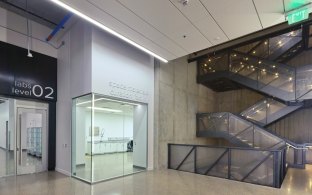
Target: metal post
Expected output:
[169,155]
[253,136]
[195,155]
[276,170]
[229,163]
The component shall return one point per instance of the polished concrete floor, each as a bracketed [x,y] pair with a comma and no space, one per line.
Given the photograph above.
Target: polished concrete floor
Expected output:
[7,165]
[166,182]
[106,166]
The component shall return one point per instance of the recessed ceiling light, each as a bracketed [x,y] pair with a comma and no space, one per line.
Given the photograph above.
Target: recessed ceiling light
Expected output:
[100,25]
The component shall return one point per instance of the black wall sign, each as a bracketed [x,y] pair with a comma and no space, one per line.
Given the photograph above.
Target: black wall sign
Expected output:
[22,76]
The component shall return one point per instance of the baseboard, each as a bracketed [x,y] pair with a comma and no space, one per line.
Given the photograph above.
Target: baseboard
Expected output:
[63,171]
[138,167]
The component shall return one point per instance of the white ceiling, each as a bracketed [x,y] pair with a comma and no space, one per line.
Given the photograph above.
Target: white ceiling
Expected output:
[172,30]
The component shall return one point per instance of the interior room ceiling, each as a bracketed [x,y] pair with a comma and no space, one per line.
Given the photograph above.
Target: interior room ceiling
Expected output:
[41,11]
[171,29]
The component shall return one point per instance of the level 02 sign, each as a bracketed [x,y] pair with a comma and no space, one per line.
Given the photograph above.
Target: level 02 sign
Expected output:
[21,76]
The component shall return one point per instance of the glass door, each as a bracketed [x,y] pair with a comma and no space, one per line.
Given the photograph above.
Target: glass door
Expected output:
[7,139]
[31,140]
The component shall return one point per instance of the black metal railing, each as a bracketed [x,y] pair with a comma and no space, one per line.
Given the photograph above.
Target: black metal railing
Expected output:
[262,167]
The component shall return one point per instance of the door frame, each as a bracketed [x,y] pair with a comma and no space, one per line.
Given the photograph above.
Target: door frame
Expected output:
[51,105]
[18,137]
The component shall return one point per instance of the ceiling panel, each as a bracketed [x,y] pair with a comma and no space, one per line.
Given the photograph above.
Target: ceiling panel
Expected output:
[94,12]
[172,30]
[164,16]
[236,18]
[201,19]
[129,18]
[270,15]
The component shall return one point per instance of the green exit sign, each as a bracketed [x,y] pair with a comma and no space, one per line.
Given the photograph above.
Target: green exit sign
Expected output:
[298,16]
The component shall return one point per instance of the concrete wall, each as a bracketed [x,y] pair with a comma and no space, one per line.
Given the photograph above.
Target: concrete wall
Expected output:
[236,101]
[177,100]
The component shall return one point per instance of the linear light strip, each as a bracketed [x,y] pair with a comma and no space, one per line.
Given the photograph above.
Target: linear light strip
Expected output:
[111,100]
[78,13]
[104,109]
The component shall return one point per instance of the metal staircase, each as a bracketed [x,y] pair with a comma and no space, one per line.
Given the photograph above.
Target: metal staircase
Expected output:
[288,88]
[258,156]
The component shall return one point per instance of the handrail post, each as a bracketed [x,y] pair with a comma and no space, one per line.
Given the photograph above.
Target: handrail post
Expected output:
[253,136]
[295,84]
[276,170]
[229,163]
[229,60]
[195,156]
[228,121]
[169,155]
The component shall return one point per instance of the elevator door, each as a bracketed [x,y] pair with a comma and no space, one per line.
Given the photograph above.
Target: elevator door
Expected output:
[31,140]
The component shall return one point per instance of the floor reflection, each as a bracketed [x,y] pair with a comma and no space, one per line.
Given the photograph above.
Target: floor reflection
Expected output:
[106,166]
[166,182]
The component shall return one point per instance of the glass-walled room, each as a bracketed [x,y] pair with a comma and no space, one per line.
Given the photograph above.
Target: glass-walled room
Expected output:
[109,138]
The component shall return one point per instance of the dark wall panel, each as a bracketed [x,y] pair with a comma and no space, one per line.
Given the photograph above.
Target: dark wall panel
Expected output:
[21,76]
[32,79]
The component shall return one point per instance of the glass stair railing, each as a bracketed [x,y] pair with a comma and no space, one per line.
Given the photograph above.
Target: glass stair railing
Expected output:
[277,80]
[267,111]
[257,166]
[279,48]
[243,133]
[236,130]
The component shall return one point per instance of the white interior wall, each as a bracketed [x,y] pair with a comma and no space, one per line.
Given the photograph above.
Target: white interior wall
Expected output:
[74,79]
[13,30]
[112,68]
[4,116]
[121,71]
[112,125]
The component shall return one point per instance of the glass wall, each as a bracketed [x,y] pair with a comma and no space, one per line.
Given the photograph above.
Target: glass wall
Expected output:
[109,138]
[7,138]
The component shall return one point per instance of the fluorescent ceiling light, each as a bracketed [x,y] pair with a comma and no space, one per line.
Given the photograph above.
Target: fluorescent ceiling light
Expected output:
[78,13]
[105,109]
[119,101]
[111,100]
[89,101]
